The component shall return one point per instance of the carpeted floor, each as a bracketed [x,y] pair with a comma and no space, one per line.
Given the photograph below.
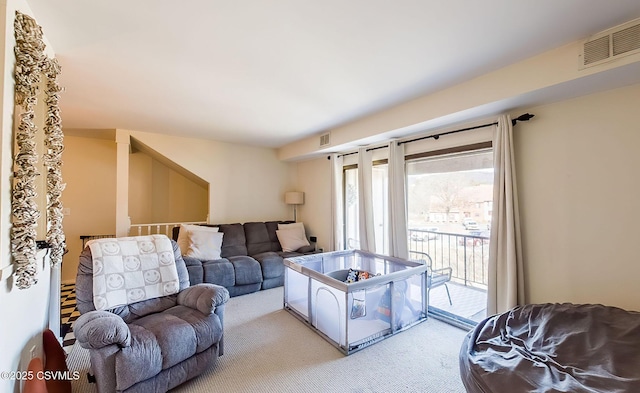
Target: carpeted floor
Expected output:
[269,350]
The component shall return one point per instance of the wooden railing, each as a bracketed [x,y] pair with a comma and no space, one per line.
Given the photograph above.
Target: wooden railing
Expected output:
[164,228]
[86,238]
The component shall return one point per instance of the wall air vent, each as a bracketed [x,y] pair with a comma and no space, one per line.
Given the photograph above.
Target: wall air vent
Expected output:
[611,44]
[325,139]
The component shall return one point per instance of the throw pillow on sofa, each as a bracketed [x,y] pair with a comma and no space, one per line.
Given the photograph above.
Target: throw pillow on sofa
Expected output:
[205,245]
[292,236]
[185,232]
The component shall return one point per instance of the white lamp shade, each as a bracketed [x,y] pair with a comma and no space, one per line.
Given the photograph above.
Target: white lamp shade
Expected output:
[294,198]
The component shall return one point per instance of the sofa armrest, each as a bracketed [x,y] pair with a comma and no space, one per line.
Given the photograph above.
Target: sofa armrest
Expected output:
[98,329]
[306,249]
[195,269]
[191,261]
[203,297]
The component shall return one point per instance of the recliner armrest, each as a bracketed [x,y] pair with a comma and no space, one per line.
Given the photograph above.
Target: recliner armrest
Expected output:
[203,297]
[98,329]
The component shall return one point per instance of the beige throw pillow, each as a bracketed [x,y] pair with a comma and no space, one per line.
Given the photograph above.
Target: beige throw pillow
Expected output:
[298,225]
[292,236]
[204,245]
[185,231]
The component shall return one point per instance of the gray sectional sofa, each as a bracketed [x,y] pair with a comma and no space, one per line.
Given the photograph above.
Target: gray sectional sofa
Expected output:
[251,258]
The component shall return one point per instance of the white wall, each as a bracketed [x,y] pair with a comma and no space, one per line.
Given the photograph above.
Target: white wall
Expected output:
[24,312]
[553,74]
[579,189]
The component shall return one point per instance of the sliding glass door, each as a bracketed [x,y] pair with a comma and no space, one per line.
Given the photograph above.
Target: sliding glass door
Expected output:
[449,201]
[380,195]
[449,206]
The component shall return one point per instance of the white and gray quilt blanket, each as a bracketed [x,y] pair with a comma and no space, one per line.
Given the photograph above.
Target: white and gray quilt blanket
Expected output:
[128,270]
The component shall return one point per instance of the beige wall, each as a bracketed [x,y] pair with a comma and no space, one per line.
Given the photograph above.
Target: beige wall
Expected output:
[188,201]
[158,193]
[89,171]
[579,188]
[577,164]
[245,183]
[140,188]
[314,180]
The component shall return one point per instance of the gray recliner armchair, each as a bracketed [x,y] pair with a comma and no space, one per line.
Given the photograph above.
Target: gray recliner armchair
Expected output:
[152,345]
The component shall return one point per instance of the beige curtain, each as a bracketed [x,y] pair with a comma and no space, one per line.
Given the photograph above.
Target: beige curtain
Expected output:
[398,243]
[506,281]
[367,234]
[337,241]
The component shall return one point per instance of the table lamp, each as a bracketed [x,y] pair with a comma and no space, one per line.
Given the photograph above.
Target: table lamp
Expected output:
[294,198]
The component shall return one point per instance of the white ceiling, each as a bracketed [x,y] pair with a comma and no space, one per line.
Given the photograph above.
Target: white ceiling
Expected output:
[270,72]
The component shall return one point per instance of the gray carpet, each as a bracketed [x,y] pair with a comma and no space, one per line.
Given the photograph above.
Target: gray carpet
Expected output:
[269,350]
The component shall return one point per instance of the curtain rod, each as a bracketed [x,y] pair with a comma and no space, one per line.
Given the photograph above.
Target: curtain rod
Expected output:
[370,149]
[523,117]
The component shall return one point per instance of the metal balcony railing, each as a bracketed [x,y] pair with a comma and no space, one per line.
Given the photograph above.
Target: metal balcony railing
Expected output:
[466,254]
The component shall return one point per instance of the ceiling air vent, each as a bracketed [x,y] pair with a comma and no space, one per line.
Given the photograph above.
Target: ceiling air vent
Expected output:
[611,44]
[596,50]
[626,40]
[324,140]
